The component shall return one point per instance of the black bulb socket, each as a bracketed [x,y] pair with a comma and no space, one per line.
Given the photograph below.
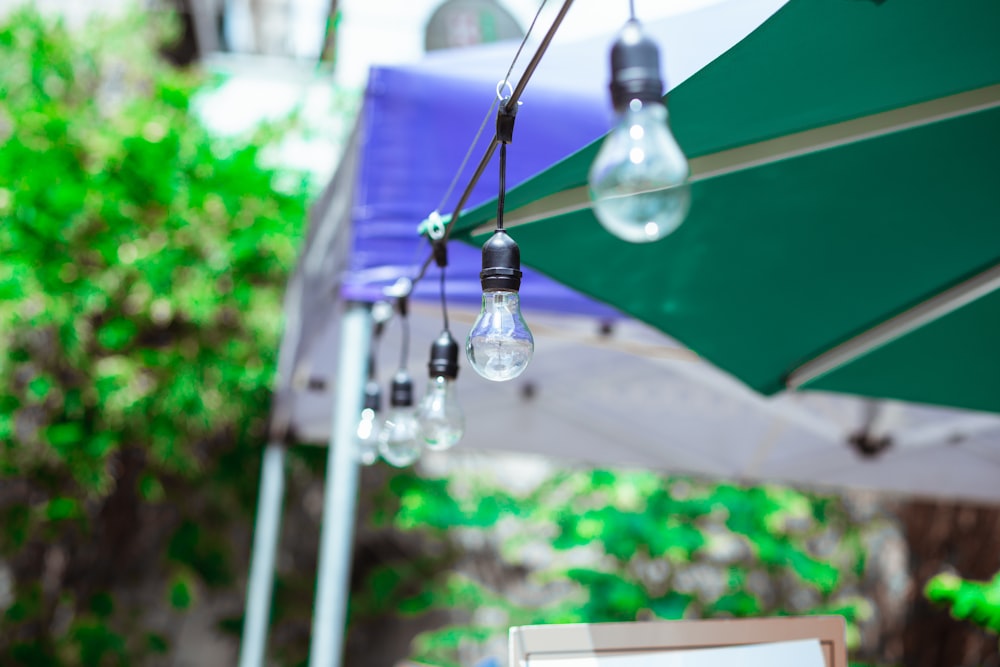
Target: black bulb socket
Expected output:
[402,390]
[444,357]
[635,68]
[501,263]
[373,397]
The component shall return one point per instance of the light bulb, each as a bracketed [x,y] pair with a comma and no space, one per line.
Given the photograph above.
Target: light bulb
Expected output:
[369,425]
[500,345]
[399,443]
[442,422]
[638,181]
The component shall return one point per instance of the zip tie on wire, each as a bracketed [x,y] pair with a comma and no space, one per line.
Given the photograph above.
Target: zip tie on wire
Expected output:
[432,227]
[400,289]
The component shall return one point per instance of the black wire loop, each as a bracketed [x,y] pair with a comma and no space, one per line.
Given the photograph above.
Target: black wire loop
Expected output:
[439,249]
[505,123]
[503,185]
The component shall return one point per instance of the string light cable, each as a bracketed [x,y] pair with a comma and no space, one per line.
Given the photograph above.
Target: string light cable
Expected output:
[441,229]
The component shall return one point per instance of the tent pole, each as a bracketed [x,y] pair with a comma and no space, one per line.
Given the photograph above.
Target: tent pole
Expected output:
[340,496]
[267,529]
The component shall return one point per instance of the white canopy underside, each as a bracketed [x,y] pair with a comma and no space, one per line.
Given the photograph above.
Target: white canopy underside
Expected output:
[635,398]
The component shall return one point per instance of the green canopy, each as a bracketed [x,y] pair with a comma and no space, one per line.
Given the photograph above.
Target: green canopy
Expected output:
[844,231]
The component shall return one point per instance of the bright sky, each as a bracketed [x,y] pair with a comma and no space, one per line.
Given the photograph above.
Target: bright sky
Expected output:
[376,32]
[389,31]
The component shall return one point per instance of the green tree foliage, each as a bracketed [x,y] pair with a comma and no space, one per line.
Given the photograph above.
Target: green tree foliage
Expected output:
[593,546]
[974,601]
[142,264]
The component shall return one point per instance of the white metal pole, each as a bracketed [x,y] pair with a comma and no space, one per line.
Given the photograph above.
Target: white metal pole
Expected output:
[340,497]
[267,529]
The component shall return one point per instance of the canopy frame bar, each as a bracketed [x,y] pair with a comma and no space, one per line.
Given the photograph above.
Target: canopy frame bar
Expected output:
[924,313]
[267,532]
[340,496]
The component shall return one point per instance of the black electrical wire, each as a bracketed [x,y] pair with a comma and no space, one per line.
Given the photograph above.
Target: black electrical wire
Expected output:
[402,305]
[444,302]
[372,355]
[631,9]
[503,184]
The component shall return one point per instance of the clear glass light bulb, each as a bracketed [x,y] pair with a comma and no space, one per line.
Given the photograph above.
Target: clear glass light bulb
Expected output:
[638,181]
[369,428]
[442,422]
[500,345]
[399,443]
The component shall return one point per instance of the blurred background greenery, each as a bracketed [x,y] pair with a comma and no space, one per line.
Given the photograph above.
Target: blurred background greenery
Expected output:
[142,264]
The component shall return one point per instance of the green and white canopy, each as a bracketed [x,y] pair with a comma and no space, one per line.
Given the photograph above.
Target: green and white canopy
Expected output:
[844,231]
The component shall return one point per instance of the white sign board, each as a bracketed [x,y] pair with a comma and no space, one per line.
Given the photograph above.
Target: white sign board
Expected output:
[802,653]
[814,641]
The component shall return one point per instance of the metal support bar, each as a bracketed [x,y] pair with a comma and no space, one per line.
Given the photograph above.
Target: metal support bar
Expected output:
[543,46]
[920,315]
[267,529]
[340,497]
[203,15]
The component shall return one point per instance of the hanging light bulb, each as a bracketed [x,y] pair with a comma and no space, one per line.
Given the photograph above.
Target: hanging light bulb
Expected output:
[638,181]
[370,425]
[442,422]
[399,441]
[500,345]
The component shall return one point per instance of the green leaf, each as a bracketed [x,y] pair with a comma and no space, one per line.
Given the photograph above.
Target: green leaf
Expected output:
[102,604]
[157,643]
[59,509]
[671,606]
[181,592]
[39,387]
[739,604]
[116,334]
[64,436]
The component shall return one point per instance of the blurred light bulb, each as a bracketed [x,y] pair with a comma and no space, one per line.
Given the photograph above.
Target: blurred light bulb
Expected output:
[368,432]
[399,442]
[638,181]
[442,422]
[369,425]
[500,345]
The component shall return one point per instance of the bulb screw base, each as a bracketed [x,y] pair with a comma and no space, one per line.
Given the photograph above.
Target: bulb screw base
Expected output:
[444,357]
[402,390]
[501,263]
[373,397]
[635,68]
